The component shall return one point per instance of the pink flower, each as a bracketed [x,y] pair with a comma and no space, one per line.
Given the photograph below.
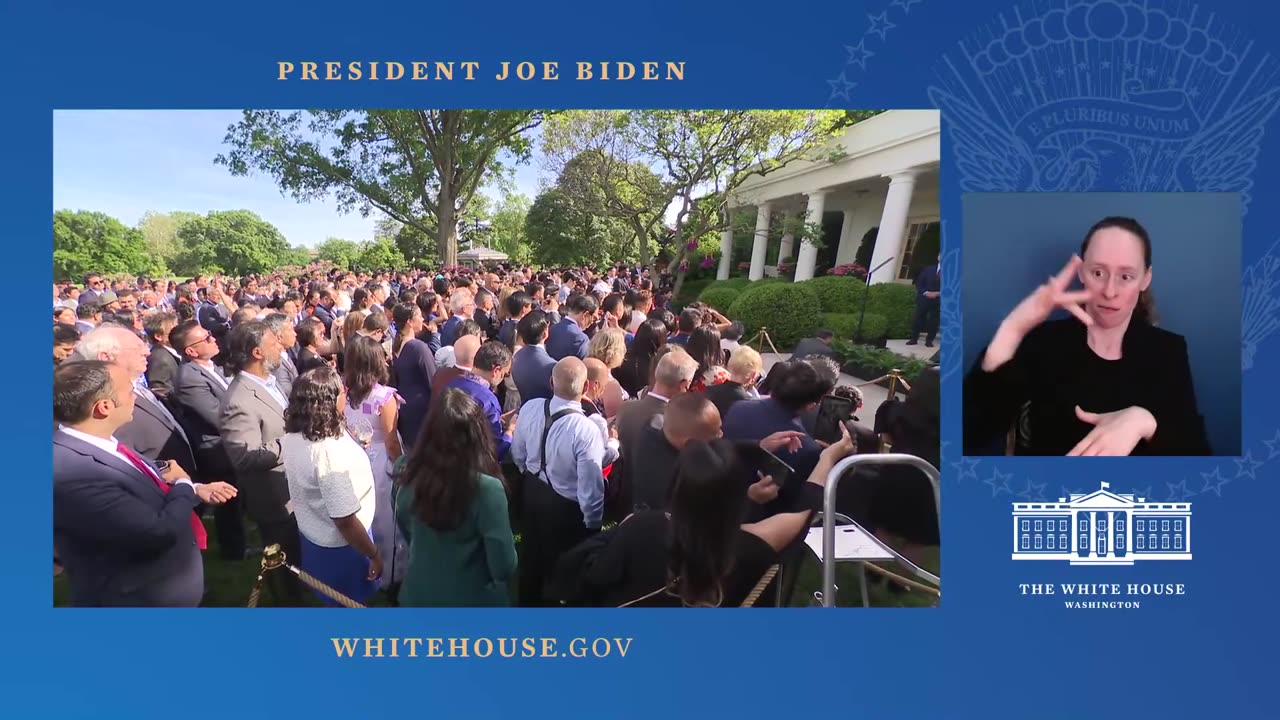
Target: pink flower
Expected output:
[691,245]
[707,263]
[684,266]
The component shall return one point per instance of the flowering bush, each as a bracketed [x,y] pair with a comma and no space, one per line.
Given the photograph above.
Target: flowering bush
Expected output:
[744,265]
[787,270]
[707,263]
[849,270]
[691,245]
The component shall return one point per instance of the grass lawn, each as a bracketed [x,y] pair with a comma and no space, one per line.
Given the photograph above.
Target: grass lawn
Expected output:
[228,583]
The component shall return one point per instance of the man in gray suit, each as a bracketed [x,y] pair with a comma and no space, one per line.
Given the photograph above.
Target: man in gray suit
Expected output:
[197,397]
[674,373]
[282,326]
[252,425]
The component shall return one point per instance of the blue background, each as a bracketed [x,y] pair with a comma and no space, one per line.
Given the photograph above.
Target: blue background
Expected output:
[988,651]
[1016,240]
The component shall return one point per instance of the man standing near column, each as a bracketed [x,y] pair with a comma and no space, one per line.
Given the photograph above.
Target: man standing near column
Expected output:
[928,293]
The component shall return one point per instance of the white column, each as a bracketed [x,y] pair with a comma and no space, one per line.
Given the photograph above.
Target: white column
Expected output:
[726,253]
[761,245]
[846,229]
[1093,533]
[1111,533]
[788,246]
[893,227]
[808,251]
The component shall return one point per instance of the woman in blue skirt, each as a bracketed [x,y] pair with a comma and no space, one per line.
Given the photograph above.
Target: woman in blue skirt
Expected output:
[331,488]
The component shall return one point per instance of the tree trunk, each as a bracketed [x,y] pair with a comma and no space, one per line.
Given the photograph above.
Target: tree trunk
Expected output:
[447,230]
[642,239]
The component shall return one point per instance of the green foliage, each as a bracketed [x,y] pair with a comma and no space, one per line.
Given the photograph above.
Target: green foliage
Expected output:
[417,247]
[415,166]
[86,241]
[338,251]
[737,283]
[237,242]
[838,294]
[380,254]
[720,298]
[875,361]
[790,311]
[561,233]
[508,233]
[845,326]
[160,233]
[897,303]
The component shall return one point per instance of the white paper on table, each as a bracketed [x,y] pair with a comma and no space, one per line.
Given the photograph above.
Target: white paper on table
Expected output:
[852,543]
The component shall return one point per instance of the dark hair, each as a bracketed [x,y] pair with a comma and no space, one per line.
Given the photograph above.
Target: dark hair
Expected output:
[313,405]
[440,286]
[426,303]
[64,334]
[359,298]
[665,317]
[180,335]
[491,356]
[611,302]
[242,341]
[517,302]
[309,331]
[690,319]
[533,287]
[86,311]
[824,334]
[403,315]
[707,504]
[277,322]
[734,332]
[185,311]
[651,335]
[1145,310]
[243,315]
[454,446]
[77,386]
[704,346]
[59,310]
[408,295]
[375,321]
[798,385]
[364,365]
[581,304]
[469,327]
[531,327]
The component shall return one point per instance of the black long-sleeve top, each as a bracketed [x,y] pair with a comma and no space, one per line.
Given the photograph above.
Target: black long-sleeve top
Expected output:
[1054,370]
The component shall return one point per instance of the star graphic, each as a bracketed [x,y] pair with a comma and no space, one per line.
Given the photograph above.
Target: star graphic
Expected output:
[1144,493]
[1082,66]
[966,468]
[1273,446]
[905,5]
[999,482]
[1039,81]
[880,24]
[1246,465]
[1214,481]
[1130,66]
[840,86]
[1104,64]
[1032,491]
[1151,72]
[1179,491]
[1194,92]
[1061,72]
[1153,178]
[1068,492]
[859,54]
[1172,81]
[1017,92]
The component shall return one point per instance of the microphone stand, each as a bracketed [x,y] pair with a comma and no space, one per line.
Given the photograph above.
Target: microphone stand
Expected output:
[863,312]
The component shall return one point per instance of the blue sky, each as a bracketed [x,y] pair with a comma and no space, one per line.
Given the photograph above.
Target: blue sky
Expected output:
[125,163]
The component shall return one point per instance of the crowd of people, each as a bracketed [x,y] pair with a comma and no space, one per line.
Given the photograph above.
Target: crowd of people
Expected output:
[458,437]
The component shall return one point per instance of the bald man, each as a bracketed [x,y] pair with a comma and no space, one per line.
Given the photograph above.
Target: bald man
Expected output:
[464,352]
[598,378]
[560,452]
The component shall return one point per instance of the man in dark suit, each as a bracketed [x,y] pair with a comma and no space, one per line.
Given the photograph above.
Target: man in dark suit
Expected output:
[153,431]
[671,379]
[197,397]
[461,308]
[212,314]
[323,310]
[818,345]
[484,314]
[928,303]
[568,338]
[518,305]
[125,529]
[531,366]
[162,364]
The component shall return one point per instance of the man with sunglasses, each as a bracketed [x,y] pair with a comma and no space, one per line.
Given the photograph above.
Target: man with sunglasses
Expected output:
[197,396]
[94,286]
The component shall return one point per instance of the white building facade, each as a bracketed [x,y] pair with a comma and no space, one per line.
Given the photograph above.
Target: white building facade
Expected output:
[1102,528]
[887,177]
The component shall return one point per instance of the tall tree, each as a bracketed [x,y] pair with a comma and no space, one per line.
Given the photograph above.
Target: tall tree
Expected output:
[561,233]
[704,156]
[85,241]
[508,233]
[597,164]
[160,233]
[418,167]
[380,254]
[338,251]
[233,241]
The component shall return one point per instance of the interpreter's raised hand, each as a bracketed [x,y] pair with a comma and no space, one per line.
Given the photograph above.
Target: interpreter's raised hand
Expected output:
[215,493]
[764,490]
[1036,307]
[789,440]
[1114,433]
[843,447]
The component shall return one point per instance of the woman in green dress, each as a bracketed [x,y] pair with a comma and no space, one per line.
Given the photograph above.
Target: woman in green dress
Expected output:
[451,505]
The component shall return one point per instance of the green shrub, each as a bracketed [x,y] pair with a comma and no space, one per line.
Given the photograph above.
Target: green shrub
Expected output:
[838,294]
[790,310]
[845,325]
[719,298]
[897,303]
[875,362]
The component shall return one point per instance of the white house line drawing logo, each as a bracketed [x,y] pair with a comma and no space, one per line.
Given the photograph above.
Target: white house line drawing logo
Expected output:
[1102,528]
[1107,95]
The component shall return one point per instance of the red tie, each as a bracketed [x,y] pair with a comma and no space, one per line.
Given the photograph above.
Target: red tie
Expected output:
[197,527]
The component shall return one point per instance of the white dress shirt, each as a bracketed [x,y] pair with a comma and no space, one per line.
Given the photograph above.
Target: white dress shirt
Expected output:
[269,384]
[112,445]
